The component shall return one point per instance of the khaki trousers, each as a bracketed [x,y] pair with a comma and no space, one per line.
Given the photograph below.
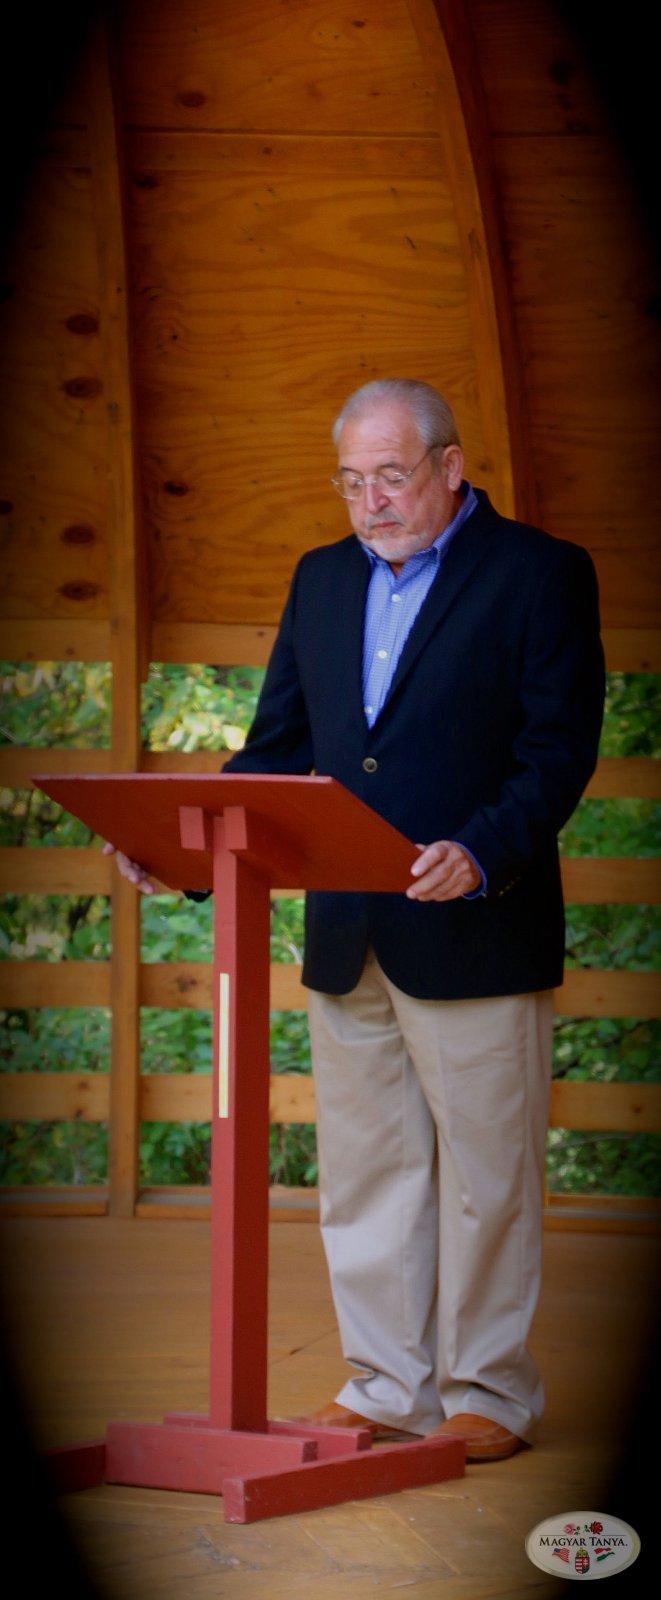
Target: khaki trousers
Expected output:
[432,1120]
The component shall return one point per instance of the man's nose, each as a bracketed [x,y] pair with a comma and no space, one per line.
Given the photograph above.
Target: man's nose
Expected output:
[375,494]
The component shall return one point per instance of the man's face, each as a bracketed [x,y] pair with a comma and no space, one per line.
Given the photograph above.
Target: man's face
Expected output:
[396,527]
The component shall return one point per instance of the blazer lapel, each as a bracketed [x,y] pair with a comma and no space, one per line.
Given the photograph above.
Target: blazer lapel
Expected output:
[464,556]
[349,621]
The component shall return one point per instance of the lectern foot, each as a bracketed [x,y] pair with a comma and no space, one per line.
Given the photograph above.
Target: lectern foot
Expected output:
[259,1475]
[384,1470]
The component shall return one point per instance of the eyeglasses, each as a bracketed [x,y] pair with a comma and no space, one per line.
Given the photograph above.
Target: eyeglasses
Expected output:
[391,480]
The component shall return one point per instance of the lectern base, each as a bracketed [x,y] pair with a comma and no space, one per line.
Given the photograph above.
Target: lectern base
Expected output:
[259,1475]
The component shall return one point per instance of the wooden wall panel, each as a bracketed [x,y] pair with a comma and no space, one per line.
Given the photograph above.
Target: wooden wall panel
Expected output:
[258,308]
[297,227]
[53,549]
[585,297]
[294,67]
[584,288]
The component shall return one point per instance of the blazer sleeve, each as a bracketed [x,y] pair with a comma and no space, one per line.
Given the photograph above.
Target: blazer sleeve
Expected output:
[555,745]
[279,739]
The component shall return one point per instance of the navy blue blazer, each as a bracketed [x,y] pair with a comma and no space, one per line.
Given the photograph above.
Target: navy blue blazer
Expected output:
[488,736]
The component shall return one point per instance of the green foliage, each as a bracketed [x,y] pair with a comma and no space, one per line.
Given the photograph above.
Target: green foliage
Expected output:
[53,1153]
[613,828]
[193,707]
[598,1163]
[70,1039]
[54,927]
[614,936]
[605,1050]
[199,707]
[632,726]
[48,703]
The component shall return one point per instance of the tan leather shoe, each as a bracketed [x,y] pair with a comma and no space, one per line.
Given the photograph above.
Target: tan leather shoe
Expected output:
[485,1440]
[337,1416]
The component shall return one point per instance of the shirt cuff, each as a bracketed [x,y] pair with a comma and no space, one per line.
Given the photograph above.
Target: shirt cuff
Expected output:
[476,894]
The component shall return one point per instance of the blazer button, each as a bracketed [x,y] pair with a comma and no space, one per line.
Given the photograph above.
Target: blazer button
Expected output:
[369,764]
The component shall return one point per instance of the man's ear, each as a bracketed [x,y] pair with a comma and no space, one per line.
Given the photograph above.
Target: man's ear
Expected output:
[454,465]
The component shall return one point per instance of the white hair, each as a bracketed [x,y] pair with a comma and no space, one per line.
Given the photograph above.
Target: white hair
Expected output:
[432,414]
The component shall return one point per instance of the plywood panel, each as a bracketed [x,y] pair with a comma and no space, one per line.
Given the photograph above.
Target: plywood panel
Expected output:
[274,67]
[258,309]
[540,78]
[584,292]
[53,556]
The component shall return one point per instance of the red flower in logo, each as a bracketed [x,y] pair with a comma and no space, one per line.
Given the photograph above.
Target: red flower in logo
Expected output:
[596,1527]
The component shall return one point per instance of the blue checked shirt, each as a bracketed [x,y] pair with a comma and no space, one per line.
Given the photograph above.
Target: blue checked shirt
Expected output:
[392,605]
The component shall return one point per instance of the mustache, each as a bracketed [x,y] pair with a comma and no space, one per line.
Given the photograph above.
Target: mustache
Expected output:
[373,522]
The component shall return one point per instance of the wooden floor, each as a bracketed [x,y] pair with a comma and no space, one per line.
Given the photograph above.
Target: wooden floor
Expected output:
[108,1320]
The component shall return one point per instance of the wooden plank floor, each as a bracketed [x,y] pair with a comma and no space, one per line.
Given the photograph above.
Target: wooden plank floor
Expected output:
[108,1320]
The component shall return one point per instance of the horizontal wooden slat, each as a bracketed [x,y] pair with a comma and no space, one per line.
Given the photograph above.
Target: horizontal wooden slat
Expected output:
[600,880]
[615,777]
[632,649]
[188,983]
[590,880]
[19,765]
[586,993]
[626,777]
[45,1200]
[609,994]
[287,991]
[292,1097]
[54,871]
[164,1097]
[54,1096]
[240,644]
[183,1097]
[171,984]
[186,1097]
[54,983]
[55,640]
[222,644]
[606,1107]
[178,761]
[175,1096]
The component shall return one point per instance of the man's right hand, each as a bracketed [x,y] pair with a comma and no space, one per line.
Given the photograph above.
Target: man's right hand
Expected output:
[131,870]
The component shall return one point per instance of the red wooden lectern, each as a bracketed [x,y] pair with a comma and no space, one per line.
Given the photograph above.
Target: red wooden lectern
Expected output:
[242,836]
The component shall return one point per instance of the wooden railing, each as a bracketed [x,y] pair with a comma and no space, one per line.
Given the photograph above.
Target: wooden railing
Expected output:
[172,1097]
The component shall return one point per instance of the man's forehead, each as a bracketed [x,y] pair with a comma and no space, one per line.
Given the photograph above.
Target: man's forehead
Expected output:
[382,431]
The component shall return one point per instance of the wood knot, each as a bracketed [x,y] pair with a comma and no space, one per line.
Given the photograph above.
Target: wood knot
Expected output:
[77,533]
[82,388]
[562,71]
[175,486]
[81,322]
[191,98]
[79,590]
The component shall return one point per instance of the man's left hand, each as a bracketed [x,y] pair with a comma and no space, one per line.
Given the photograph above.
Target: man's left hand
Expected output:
[443,871]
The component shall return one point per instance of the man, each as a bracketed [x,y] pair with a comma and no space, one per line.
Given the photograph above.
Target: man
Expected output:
[444,664]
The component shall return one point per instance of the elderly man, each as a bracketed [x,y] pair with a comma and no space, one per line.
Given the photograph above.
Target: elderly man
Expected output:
[444,664]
